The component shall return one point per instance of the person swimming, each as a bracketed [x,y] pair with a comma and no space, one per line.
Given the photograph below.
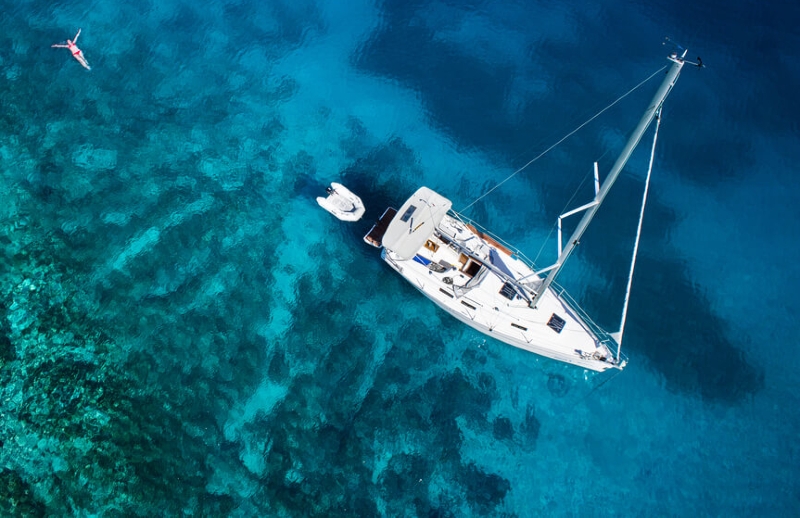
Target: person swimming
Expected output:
[73,48]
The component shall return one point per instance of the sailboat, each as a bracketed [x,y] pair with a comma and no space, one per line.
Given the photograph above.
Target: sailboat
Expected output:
[489,285]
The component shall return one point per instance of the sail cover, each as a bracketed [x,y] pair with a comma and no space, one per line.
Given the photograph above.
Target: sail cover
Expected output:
[414,222]
[495,259]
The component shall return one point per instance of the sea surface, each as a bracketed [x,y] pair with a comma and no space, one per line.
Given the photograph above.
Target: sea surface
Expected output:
[183,331]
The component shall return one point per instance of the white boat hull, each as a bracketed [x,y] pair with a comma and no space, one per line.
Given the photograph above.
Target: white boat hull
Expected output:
[565,352]
[567,357]
[479,281]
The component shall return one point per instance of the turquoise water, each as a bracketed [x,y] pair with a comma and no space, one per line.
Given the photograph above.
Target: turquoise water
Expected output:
[185,331]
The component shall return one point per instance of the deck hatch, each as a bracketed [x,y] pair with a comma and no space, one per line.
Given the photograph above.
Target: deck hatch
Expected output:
[407,214]
[508,291]
[556,323]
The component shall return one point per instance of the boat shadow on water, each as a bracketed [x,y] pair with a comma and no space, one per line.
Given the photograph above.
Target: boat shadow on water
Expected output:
[673,326]
[696,355]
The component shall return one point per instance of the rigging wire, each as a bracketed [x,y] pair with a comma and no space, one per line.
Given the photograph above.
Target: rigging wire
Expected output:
[540,155]
[619,334]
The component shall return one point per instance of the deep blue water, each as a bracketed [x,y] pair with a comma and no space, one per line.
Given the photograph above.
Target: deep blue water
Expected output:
[185,331]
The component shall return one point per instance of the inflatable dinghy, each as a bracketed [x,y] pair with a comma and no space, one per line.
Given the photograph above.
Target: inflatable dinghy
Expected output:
[342,203]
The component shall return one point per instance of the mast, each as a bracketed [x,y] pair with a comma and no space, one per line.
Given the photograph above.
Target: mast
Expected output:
[633,141]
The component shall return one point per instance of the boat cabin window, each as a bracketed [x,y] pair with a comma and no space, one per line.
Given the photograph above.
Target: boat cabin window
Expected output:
[407,214]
